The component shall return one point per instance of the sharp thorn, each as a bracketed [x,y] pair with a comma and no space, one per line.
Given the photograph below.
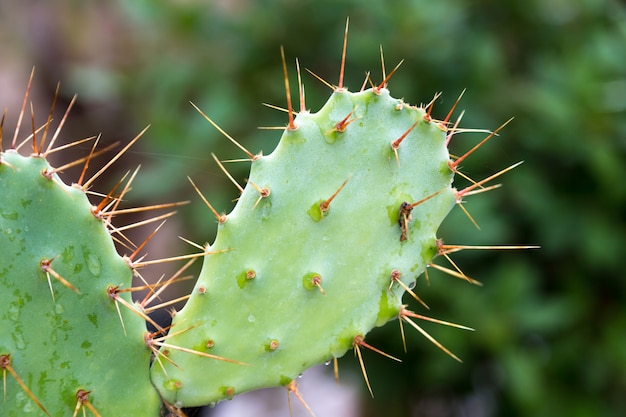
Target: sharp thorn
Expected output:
[343,56]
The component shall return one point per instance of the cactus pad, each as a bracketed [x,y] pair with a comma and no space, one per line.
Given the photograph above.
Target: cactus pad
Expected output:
[300,273]
[62,345]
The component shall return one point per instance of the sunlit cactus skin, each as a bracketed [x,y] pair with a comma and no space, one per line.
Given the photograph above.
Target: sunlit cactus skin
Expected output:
[60,332]
[290,285]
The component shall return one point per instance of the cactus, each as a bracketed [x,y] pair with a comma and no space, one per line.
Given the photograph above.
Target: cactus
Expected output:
[318,249]
[330,231]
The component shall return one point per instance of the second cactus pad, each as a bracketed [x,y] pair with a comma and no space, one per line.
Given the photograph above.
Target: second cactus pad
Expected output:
[306,262]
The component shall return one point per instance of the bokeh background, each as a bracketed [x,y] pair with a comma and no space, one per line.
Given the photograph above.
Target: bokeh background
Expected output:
[551,323]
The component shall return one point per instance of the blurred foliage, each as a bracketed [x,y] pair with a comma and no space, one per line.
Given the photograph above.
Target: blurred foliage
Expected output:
[550,324]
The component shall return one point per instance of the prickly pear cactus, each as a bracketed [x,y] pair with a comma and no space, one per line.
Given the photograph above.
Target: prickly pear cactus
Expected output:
[319,249]
[331,230]
[64,346]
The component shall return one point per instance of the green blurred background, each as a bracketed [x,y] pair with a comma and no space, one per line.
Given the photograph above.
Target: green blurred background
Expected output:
[551,323]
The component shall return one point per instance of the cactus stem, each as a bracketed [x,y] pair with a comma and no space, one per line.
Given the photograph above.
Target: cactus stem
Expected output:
[396,143]
[325,205]
[82,397]
[455,274]
[406,316]
[230,177]
[87,183]
[395,277]
[482,142]
[46,267]
[290,125]
[343,56]
[19,119]
[215,125]
[5,364]
[383,84]
[292,387]
[221,218]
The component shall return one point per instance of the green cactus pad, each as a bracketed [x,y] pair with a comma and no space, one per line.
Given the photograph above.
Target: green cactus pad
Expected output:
[293,282]
[60,333]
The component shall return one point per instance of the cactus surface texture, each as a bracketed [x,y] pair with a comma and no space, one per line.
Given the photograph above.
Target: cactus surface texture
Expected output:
[330,231]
